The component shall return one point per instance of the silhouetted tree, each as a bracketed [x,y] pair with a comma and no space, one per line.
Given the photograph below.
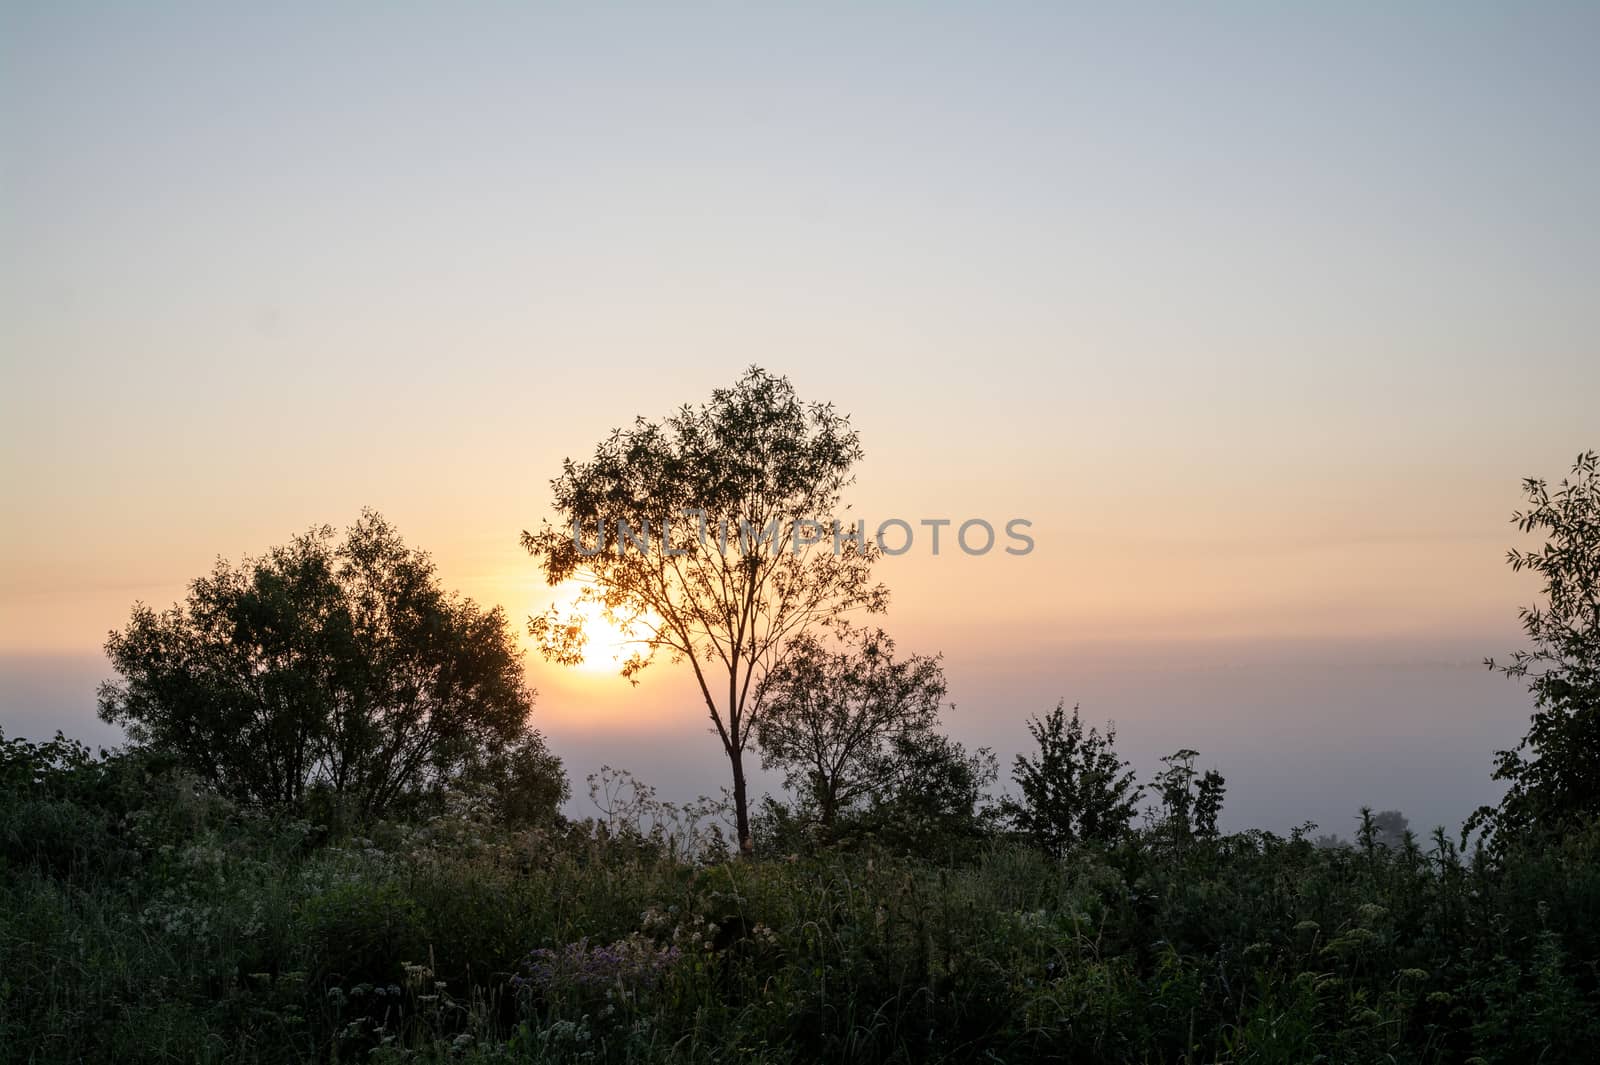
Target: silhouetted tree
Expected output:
[935,792]
[524,781]
[722,492]
[1077,789]
[338,666]
[844,723]
[1554,774]
[934,798]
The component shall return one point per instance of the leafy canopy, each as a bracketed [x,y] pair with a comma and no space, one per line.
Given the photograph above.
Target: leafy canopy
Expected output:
[340,666]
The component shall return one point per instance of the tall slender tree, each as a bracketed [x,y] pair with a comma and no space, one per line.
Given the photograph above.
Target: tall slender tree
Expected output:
[709,534]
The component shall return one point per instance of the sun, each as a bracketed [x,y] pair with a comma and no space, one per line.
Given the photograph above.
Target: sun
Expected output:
[606,644]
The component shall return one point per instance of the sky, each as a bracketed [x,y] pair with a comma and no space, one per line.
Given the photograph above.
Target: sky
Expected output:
[1259,313]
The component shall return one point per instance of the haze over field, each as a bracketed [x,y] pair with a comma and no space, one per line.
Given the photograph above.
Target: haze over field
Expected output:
[1260,322]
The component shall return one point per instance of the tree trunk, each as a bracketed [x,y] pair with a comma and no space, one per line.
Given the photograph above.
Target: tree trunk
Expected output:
[741,805]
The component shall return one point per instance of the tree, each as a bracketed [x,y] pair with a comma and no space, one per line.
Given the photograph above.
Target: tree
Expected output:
[844,724]
[340,666]
[1554,774]
[1077,789]
[934,797]
[523,781]
[708,545]
[934,793]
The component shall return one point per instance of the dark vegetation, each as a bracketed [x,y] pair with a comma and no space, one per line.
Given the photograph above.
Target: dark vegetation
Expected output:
[145,918]
[335,836]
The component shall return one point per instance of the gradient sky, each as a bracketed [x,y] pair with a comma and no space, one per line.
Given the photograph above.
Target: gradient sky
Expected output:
[1258,314]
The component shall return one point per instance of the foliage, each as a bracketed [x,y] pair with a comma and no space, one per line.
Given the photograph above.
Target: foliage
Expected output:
[933,804]
[219,935]
[936,799]
[341,668]
[844,725]
[1554,774]
[732,565]
[1191,801]
[523,781]
[1077,789]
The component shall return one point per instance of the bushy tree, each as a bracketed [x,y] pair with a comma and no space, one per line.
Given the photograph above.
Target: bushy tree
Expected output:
[523,780]
[936,792]
[1077,789]
[934,798]
[844,719]
[702,546]
[1554,774]
[336,665]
